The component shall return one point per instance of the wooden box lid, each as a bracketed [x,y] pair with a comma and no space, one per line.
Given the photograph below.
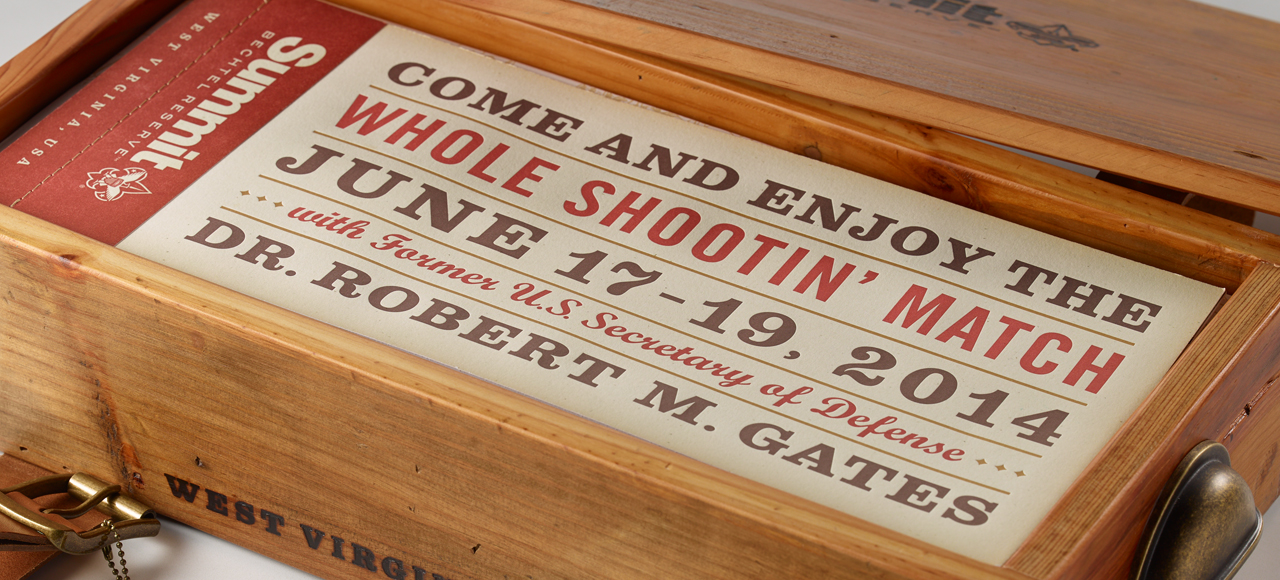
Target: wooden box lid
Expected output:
[1172,92]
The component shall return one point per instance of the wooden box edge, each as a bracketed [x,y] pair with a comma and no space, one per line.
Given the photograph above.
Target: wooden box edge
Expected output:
[1248,254]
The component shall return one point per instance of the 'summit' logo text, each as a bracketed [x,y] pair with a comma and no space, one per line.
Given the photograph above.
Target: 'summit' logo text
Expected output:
[173,146]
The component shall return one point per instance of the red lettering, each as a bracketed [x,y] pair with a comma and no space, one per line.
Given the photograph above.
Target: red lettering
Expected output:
[441,152]
[373,119]
[691,220]
[1028,361]
[1012,328]
[736,236]
[1100,373]
[837,408]
[625,207]
[967,328]
[478,169]
[767,244]
[528,173]
[591,204]
[827,282]
[912,303]
[787,267]
[420,133]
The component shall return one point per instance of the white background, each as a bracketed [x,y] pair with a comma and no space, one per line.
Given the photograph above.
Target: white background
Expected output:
[181,552]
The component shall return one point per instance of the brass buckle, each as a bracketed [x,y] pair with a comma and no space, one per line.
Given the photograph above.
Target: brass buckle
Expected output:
[129,517]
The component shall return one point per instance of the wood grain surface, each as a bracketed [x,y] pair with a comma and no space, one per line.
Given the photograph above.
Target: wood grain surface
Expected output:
[125,369]
[1174,93]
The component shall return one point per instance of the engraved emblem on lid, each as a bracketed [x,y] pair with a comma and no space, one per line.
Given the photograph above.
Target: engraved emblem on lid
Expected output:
[1052,35]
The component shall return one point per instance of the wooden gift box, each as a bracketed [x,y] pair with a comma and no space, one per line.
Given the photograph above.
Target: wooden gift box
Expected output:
[119,367]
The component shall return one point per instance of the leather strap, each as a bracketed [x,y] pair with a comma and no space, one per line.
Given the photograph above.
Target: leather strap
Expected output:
[22,549]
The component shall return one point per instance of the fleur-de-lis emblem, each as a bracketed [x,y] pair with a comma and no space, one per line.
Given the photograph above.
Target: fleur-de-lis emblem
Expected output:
[111,184]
